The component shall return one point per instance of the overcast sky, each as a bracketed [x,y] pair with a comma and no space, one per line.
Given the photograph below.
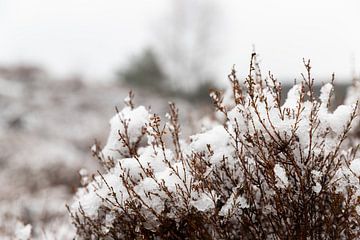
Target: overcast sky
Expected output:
[95,36]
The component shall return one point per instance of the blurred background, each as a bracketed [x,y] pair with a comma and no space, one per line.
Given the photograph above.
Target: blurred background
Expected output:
[65,65]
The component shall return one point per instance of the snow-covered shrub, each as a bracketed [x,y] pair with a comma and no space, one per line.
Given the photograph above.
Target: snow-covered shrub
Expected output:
[268,171]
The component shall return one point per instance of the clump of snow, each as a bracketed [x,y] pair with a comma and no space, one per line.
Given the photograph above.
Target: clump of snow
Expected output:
[292,97]
[317,188]
[355,166]
[135,120]
[348,178]
[316,175]
[325,93]
[232,204]
[22,232]
[203,203]
[216,137]
[280,173]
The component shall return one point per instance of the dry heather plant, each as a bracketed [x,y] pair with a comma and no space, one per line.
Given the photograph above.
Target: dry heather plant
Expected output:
[267,171]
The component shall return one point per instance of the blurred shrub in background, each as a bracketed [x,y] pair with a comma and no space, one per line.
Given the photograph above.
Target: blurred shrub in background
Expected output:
[144,71]
[181,62]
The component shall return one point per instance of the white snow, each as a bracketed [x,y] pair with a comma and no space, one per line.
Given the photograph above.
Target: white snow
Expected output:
[281,175]
[203,203]
[22,232]
[292,97]
[136,120]
[317,188]
[325,93]
[355,166]
[232,204]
